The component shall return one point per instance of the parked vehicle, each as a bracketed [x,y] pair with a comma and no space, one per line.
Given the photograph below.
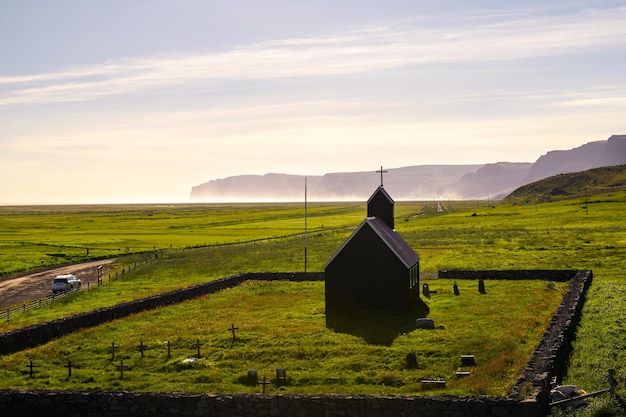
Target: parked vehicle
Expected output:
[65,283]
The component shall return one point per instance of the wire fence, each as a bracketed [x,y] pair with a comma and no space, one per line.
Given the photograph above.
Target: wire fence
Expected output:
[20,309]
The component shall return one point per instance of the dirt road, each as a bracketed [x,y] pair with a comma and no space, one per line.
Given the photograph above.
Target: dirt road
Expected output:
[29,287]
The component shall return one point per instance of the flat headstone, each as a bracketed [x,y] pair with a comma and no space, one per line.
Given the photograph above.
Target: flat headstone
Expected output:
[468,360]
[424,323]
[426,383]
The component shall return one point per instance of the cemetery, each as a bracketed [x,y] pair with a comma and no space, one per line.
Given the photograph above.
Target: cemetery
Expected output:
[529,396]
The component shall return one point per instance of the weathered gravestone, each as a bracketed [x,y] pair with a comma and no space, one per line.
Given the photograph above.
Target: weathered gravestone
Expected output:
[281,376]
[424,323]
[468,360]
[411,361]
[252,378]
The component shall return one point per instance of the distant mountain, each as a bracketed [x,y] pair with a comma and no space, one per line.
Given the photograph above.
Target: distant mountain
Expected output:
[422,182]
[591,155]
[492,180]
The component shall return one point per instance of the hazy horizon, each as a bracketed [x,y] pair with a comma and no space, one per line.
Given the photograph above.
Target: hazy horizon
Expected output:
[137,102]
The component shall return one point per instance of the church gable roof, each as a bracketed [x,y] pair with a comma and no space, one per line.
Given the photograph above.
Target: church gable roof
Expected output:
[380,190]
[396,243]
[390,237]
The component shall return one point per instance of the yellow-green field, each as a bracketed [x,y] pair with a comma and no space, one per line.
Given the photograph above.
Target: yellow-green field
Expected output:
[282,325]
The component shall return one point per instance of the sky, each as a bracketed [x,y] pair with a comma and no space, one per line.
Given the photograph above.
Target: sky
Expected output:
[137,101]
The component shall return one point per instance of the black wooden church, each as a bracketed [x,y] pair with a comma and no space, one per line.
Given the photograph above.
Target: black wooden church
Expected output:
[375,268]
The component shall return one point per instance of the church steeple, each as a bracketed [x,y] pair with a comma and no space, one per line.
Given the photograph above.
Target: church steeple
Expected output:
[380,205]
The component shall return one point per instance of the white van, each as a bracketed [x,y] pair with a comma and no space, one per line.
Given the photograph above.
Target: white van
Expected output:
[65,283]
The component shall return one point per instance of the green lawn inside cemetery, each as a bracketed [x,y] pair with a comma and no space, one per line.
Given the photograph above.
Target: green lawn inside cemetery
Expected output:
[282,325]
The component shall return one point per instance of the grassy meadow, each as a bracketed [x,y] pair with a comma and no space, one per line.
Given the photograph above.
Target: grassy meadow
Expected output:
[283,324]
[46,236]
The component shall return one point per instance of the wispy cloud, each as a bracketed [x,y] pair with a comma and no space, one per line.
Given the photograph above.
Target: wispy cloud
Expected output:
[601,97]
[465,39]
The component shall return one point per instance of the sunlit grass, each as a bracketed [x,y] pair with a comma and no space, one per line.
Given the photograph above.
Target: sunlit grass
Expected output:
[563,235]
[283,325]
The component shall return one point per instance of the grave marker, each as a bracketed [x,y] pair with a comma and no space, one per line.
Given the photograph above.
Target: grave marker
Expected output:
[232,329]
[481,286]
[69,368]
[411,361]
[424,323]
[141,347]
[456,289]
[427,383]
[264,383]
[612,381]
[31,365]
[281,375]
[198,344]
[426,290]
[113,347]
[121,367]
[468,360]
[252,378]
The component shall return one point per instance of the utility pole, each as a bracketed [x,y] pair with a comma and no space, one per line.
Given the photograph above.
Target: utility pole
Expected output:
[305,225]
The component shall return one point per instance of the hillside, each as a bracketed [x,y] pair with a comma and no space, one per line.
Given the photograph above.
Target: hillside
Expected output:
[422,182]
[573,185]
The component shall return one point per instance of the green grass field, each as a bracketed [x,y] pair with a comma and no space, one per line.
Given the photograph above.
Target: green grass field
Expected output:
[46,236]
[282,325]
[230,239]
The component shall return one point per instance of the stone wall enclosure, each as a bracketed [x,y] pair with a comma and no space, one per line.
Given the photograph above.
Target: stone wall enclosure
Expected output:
[529,398]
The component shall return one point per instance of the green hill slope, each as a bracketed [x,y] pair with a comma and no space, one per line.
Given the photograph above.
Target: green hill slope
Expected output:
[574,185]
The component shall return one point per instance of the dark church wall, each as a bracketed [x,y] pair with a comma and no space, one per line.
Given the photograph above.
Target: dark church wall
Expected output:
[367,275]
